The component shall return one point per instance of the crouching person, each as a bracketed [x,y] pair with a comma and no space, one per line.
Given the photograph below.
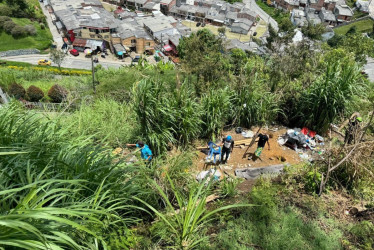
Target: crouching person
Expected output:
[145,151]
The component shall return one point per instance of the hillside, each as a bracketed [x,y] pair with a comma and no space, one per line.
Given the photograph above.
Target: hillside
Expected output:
[71,176]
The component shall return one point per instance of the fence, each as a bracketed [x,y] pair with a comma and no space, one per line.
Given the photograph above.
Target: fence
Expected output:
[19,52]
[356,20]
[50,107]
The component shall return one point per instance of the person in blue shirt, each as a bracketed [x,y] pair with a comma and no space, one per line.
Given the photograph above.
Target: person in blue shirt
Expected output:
[145,151]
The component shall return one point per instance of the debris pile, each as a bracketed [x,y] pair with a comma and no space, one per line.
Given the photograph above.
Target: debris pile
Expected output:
[304,141]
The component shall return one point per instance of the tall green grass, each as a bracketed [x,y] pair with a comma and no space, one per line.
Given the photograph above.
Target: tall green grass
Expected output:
[63,191]
[330,95]
[106,120]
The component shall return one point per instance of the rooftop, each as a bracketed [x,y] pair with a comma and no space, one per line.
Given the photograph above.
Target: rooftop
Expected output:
[344,10]
[87,17]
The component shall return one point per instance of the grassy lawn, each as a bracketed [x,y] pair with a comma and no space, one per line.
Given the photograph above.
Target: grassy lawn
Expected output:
[214,30]
[362,26]
[271,11]
[41,40]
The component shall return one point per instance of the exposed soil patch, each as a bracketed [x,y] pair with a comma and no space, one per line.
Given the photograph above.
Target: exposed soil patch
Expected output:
[276,155]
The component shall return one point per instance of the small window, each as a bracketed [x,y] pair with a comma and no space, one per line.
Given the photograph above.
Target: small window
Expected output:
[133,40]
[148,44]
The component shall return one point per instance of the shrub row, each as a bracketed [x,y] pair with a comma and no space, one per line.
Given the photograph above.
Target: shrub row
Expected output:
[53,70]
[34,94]
[17,31]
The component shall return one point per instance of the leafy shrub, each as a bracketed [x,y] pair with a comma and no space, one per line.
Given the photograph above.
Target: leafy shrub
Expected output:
[30,29]
[5,10]
[216,105]
[8,26]
[42,26]
[363,234]
[3,19]
[18,32]
[34,94]
[57,93]
[228,187]
[329,96]
[17,91]
[312,181]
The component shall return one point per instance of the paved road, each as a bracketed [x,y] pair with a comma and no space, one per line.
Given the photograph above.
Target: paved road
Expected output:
[369,68]
[70,62]
[57,38]
[251,4]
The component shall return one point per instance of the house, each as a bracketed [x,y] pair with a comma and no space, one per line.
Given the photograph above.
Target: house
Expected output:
[343,13]
[312,16]
[242,26]
[247,14]
[231,17]
[214,17]
[133,37]
[316,4]
[87,23]
[327,17]
[287,4]
[298,17]
[157,26]
[124,14]
[363,6]
[250,47]
[135,4]
[330,4]
[151,6]
[166,5]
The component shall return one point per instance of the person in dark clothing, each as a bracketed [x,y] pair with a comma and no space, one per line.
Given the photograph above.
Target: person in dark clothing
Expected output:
[354,126]
[263,139]
[227,148]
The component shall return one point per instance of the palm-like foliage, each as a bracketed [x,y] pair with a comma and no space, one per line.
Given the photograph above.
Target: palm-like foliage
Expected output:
[216,105]
[185,221]
[59,192]
[330,94]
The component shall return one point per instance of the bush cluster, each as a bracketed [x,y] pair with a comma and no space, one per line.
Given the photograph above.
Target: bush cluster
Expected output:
[57,93]
[34,94]
[17,91]
[17,31]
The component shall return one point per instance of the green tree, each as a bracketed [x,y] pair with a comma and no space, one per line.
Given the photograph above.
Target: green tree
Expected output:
[312,31]
[202,55]
[58,57]
[285,25]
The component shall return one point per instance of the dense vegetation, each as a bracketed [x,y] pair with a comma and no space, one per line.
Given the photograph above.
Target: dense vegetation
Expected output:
[23,25]
[61,186]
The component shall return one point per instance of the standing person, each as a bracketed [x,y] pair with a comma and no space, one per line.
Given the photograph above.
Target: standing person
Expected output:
[145,151]
[227,148]
[263,139]
[353,127]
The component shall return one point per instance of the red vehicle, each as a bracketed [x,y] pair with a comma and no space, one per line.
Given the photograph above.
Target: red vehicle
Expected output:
[74,52]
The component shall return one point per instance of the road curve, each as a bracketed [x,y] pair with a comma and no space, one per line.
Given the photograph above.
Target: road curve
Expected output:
[252,5]
[69,62]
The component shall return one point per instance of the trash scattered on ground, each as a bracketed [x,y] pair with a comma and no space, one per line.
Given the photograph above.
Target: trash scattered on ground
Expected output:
[238,130]
[207,175]
[248,134]
[304,141]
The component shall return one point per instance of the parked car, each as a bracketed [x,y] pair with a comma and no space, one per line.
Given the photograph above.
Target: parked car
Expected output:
[203,25]
[44,62]
[198,24]
[74,52]
[136,59]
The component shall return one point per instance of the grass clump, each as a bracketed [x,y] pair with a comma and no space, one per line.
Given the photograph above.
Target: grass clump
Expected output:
[271,225]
